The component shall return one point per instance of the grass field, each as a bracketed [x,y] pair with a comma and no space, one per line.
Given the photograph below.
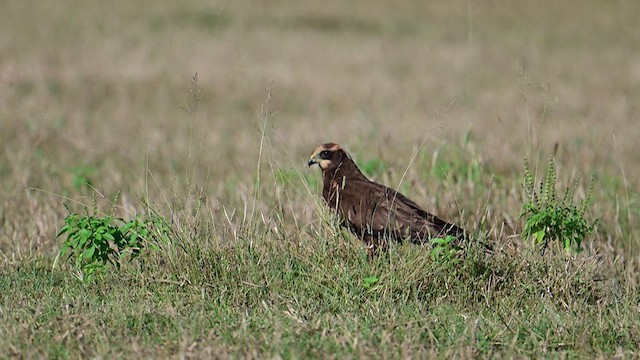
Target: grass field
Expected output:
[442,100]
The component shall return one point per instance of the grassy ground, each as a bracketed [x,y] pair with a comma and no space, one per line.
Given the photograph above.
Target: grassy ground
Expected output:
[100,93]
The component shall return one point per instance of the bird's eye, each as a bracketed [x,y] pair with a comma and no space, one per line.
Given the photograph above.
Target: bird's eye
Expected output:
[325,153]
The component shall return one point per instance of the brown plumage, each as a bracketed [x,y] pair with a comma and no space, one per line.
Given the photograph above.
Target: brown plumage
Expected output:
[372,211]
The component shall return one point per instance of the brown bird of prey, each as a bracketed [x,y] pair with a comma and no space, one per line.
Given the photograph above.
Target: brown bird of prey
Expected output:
[372,211]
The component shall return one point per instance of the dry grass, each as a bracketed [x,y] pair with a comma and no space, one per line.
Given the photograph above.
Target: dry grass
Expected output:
[97,90]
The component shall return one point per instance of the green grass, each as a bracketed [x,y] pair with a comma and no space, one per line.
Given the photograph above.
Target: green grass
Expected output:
[441,100]
[242,299]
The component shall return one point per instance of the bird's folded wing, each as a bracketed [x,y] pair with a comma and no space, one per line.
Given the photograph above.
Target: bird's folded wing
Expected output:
[392,212]
[396,214]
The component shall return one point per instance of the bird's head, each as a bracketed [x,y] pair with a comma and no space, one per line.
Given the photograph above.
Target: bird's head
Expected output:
[328,156]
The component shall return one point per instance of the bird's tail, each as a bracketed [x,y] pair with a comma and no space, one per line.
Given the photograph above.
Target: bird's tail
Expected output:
[453,230]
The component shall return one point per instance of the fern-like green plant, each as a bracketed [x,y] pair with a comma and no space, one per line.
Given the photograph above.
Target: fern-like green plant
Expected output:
[551,218]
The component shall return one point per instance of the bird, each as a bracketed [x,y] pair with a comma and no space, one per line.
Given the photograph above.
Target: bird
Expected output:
[374,212]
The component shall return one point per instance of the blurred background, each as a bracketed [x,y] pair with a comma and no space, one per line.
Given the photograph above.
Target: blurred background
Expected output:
[101,92]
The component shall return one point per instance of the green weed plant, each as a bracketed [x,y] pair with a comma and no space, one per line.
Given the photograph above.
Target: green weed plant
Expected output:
[444,250]
[93,242]
[549,217]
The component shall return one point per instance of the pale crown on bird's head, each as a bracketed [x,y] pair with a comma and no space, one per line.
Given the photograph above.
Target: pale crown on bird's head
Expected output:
[323,155]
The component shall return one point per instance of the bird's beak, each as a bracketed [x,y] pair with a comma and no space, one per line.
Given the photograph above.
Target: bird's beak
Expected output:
[312,160]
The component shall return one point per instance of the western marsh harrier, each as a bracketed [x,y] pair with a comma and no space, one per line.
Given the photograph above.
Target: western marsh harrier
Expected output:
[372,211]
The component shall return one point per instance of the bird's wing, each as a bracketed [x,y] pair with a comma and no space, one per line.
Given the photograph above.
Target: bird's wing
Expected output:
[399,216]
